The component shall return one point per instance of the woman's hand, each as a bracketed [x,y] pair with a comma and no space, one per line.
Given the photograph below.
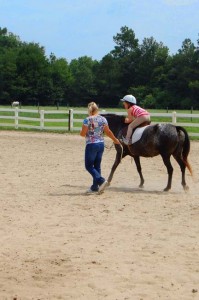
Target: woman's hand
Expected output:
[117,142]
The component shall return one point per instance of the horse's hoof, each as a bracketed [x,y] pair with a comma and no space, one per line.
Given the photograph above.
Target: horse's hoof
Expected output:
[166,189]
[102,187]
[141,186]
[186,188]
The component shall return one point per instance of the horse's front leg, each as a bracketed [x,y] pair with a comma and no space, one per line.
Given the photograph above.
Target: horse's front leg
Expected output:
[117,161]
[139,169]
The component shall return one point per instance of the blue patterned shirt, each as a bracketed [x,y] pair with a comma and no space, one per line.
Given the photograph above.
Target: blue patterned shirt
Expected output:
[95,129]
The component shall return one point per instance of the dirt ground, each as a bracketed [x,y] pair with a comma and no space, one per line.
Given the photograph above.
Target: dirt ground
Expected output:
[128,243]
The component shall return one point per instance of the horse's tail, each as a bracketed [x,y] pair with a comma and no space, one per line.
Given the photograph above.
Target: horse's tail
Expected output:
[186,148]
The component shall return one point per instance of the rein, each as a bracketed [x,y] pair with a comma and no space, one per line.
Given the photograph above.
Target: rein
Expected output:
[117,145]
[109,148]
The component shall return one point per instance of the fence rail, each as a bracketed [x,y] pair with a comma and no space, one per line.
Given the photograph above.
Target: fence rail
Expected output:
[71,120]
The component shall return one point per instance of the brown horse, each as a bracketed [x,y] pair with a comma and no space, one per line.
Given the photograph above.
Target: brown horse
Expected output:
[158,139]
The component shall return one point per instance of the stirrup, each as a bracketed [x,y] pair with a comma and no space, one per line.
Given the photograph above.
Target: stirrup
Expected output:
[125,141]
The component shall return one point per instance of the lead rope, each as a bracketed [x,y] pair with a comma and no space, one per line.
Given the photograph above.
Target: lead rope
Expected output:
[109,148]
[121,153]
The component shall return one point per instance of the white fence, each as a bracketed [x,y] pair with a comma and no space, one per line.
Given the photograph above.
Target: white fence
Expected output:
[18,118]
[40,121]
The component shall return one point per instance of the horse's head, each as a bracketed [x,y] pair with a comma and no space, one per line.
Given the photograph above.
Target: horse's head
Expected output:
[115,122]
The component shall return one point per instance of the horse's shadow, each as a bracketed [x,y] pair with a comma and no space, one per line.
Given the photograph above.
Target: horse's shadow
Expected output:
[135,190]
[138,190]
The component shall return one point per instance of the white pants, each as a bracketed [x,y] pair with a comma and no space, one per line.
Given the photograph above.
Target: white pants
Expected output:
[136,123]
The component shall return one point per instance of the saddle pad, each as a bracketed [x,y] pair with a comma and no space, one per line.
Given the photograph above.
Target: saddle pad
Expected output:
[138,134]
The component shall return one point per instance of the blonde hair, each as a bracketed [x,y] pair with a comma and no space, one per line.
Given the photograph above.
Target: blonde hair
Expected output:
[92,108]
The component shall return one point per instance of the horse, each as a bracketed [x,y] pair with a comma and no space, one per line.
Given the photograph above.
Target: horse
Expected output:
[164,139]
[15,104]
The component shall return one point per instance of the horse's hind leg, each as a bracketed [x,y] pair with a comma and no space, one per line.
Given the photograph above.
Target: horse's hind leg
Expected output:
[167,162]
[182,167]
[139,169]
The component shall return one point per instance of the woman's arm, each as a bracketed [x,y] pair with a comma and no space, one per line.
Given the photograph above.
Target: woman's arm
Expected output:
[110,134]
[84,130]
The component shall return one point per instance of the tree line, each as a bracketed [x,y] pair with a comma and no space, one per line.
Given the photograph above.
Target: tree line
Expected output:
[146,70]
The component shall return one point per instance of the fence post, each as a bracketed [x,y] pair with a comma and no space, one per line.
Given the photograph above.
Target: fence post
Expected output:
[174,119]
[41,119]
[70,120]
[191,112]
[16,118]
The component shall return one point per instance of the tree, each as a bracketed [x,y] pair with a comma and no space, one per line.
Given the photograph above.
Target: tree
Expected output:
[8,40]
[125,41]
[9,47]
[126,53]
[107,85]
[33,75]
[61,80]
[183,72]
[146,70]
[153,56]
[82,86]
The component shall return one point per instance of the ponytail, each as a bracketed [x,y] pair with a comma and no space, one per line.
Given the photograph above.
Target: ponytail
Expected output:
[92,108]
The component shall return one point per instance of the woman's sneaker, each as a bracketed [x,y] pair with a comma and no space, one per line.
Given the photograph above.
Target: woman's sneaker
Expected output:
[89,192]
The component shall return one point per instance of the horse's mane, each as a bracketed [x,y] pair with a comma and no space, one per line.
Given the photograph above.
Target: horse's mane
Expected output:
[118,118]
[115,122]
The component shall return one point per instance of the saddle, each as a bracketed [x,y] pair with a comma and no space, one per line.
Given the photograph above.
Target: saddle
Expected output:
[123,131]
[143,124]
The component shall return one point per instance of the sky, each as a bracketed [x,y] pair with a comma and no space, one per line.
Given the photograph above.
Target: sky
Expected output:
[76,28]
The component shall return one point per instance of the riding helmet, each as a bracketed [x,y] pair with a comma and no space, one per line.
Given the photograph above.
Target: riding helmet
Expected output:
[129,98]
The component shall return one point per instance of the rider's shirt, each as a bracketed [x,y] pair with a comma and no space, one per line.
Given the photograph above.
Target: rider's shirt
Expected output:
[137,111]
[95,129]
